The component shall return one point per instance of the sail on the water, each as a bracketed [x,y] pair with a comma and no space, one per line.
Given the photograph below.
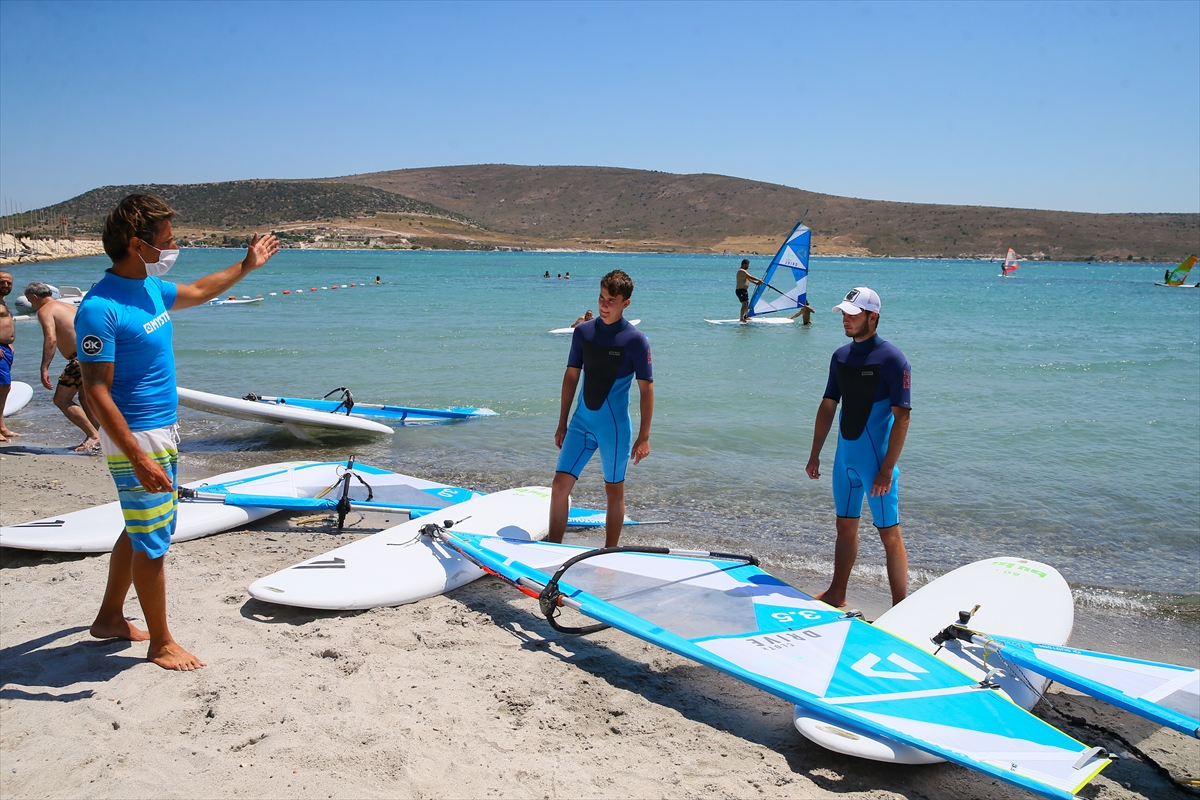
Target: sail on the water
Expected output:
[723,611]
[1010,263]
[1179,274]
[787,289]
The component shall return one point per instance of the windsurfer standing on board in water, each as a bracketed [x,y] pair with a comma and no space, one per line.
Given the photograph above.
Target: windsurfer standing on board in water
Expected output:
[743,278]
[873,379]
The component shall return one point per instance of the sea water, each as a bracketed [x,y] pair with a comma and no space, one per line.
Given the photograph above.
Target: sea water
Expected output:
[1055,414]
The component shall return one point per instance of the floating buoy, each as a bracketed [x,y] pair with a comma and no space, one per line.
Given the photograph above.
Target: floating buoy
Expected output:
[231,297]
[335,286]
[313,289]
[272,294]
[287,291]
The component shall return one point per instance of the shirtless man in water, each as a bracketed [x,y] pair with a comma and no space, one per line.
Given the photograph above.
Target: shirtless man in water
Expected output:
[8,332]
[58,330]
[744,278]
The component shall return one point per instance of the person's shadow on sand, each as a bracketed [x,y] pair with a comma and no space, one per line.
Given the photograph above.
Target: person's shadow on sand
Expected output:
[34,665]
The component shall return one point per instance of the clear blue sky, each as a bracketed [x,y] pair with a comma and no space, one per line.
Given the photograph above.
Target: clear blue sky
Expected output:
[1076,106]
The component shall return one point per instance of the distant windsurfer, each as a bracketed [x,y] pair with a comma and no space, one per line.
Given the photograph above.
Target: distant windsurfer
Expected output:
[608,353]
[1167,276]
[744,278]
[586,316]
[806,312]
[873,379]
[123,328]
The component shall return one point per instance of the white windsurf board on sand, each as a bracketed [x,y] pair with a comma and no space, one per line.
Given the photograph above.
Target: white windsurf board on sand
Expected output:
[634,322]
[1016,597]
[304,423]
[19,395]
[399,565]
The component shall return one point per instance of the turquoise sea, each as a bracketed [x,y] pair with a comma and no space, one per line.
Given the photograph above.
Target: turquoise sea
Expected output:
[1055,414]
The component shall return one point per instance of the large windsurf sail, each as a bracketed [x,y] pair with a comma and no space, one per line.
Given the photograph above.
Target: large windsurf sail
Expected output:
[726,613]
[1179,274]
[786,289]
[1165,693]
[1010,263]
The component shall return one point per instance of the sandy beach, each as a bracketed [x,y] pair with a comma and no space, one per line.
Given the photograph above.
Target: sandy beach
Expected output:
[466,695]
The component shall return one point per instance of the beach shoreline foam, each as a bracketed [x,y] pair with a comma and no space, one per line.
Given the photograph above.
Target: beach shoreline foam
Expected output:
[463,695]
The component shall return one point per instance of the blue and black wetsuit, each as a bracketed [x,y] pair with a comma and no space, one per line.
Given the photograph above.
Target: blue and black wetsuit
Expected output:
[868,378]
[611,356]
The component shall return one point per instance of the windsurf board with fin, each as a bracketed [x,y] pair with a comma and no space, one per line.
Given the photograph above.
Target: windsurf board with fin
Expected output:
[304,423]
[399,565]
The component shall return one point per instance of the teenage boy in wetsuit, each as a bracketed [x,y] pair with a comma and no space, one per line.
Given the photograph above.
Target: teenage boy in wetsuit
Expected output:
[609,353]
[873,379]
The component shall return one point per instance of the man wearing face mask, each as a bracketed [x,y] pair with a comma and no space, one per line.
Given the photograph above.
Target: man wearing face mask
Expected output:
[123,335]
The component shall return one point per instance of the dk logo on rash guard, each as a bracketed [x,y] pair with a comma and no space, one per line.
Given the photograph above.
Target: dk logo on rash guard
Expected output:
[91,345]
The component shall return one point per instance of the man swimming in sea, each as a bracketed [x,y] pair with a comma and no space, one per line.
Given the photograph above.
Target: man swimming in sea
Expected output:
[806,312]
[608,353]
[8,334]
[586,316]
[124,336]
[58,331]
[873,380]
[744,278]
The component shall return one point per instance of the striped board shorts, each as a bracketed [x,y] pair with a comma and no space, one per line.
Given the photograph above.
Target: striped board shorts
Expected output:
[149,518]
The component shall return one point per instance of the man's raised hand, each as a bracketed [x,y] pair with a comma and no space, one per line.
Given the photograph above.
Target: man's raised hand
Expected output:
[261,248]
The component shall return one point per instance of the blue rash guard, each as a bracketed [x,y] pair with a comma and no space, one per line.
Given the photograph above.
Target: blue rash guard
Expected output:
[125,321]
[611,356]
[868,378]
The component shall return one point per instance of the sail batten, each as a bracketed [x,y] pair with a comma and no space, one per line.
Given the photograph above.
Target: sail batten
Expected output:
[784,287]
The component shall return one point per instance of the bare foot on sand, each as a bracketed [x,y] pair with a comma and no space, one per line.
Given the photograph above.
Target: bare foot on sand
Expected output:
[118,629]
[172,656]
[87,445]
[822,597]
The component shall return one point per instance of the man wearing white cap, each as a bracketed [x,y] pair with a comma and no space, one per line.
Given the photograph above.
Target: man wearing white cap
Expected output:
[872,380]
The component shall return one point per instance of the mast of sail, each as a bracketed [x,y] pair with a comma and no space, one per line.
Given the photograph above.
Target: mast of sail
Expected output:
[786,289]
[1010,262]
[1179,274]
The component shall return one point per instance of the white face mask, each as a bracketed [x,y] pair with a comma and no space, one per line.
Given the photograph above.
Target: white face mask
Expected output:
[166,259]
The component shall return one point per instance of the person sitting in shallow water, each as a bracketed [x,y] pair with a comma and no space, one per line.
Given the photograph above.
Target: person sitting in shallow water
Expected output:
[547,275]
[586,316]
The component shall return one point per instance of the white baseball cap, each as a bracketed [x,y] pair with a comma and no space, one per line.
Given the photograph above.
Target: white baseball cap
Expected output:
[858,300]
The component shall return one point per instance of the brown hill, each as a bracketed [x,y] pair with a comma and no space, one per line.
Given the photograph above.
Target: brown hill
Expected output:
[641,210]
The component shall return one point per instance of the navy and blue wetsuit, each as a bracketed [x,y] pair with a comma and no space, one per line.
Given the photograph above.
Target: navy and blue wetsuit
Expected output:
[611,356]
[868,378]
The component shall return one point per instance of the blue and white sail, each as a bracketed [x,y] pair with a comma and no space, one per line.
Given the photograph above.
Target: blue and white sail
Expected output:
[1166,693]
[733,617]
[785,289]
